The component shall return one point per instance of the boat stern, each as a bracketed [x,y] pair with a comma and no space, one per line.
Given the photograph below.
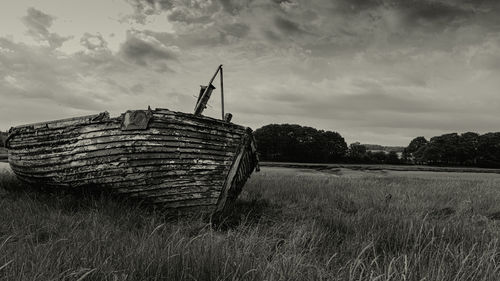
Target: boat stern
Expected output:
[246,161]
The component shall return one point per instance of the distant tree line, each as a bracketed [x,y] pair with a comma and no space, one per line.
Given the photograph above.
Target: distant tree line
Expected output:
[360,154]
[295,143]
[3,137]
[467,149]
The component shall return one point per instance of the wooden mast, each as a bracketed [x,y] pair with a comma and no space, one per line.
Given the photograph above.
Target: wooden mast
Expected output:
[222,91]
[202,101]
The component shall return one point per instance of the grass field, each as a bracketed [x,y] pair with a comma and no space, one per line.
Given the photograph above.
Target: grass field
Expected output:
[378,167]
[289,224]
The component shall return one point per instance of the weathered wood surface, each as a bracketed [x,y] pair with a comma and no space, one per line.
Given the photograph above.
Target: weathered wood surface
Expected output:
[178,160]
[3,154]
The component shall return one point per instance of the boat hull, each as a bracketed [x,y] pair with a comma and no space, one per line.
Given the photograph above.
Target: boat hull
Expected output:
[167,158]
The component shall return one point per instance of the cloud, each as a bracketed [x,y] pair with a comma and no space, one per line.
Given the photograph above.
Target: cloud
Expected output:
[93,42]
[144,8]
[149,6]
[37,73]
[38,24]
[96,56]
[147,51]
[185,16]
[57,85]
[374,70]
[234,6]
[238,30]
[487,55]
[288,26]
[430,15]
[437,11]
[137,88]
[338,23]
[199,18]
[434,16]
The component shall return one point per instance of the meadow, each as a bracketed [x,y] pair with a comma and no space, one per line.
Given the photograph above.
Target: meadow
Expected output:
[288,224]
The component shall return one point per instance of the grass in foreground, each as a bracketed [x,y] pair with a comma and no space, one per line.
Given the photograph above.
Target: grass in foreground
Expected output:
[285,227]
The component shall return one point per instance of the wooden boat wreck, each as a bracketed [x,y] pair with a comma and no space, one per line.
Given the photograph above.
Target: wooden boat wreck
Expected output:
[163,157]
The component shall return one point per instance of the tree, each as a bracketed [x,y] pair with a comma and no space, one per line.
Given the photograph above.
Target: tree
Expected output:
[3,138]
[442,150]
[378,157]
[334,147]
[392,158]
[357,152]
[295,143]
[414,151]
[488,151]
[468,146]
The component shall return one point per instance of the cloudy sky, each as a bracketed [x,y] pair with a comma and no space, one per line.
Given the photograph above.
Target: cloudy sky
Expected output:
[376,71]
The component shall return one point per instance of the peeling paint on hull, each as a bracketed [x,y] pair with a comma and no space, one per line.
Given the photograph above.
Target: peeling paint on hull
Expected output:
[167,158]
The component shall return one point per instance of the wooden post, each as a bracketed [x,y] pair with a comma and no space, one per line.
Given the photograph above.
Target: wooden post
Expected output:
[222,91]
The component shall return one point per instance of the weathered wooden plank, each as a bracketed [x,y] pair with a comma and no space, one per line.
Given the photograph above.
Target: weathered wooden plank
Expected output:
[184,203]
[193,123]
[100,168]
[173,186]
[119,171]
[179,152]
[104,144]
[110,124]
[230,176]
[110,158]
[15,144]
[188,140]
[113,123]
[63,167]
[118,181]
[157,181]
[187,128]
[160,158]
[75,144]
[176,194]
[154,128]
[244,172]
[180,196]
[173,153]
[68,121]
[19,142]
[61,152]
[69,170]
[204,119]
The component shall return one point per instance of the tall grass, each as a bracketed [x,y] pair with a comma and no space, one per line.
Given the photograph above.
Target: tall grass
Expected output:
[284,227]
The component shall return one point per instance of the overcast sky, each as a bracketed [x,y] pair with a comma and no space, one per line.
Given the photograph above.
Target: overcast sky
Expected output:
[376,71]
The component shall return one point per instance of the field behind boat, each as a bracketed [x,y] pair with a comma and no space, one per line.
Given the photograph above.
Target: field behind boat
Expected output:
[378,167]
[288,224]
